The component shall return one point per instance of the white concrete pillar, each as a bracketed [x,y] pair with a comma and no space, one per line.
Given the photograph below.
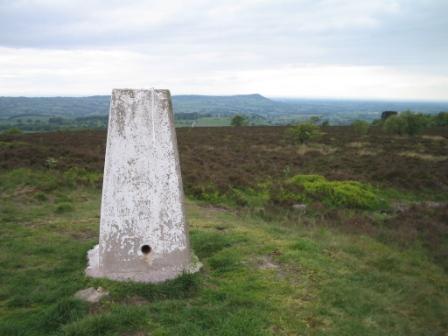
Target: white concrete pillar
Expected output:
[143,231]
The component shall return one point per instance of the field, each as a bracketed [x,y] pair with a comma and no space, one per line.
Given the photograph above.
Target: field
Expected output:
[346,235]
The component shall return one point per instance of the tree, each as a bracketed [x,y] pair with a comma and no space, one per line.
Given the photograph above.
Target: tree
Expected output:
[12,131]
[302,133]
[388,114]
[360,127]
[441,119]
[238,120]
[406,123]
[416,122]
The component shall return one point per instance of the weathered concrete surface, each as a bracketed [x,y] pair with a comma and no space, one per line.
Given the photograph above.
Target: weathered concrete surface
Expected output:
[91,294]
[143,232]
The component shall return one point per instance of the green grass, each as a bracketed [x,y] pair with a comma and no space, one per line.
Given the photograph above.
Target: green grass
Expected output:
[205,122]
[259,278]
[303,189]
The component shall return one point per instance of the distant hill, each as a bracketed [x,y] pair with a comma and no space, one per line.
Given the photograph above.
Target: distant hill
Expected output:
[244,104]
[99,105]
[55,106]
[278,111]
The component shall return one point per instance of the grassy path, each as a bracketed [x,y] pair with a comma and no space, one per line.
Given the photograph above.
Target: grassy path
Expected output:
[259,278]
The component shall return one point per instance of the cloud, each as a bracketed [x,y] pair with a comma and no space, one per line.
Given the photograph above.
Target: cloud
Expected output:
[81,23]
[202,46]
[87,72]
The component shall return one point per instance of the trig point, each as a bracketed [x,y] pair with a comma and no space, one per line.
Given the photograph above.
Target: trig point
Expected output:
[143,232]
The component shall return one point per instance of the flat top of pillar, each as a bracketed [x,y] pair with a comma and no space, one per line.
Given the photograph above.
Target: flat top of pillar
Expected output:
[133,91]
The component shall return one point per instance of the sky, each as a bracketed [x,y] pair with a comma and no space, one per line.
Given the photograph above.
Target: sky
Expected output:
[370,49]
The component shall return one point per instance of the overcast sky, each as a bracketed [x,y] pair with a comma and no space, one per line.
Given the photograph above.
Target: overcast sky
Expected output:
[380,49]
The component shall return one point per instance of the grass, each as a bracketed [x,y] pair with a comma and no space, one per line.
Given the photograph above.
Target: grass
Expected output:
[422,156]
[259,277]
[352,194]
[205,122]
[303,189]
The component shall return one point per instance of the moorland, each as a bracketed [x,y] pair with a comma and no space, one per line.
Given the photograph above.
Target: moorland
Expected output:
[346,234]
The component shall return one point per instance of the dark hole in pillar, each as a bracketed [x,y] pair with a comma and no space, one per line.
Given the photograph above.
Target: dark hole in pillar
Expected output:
[146,249]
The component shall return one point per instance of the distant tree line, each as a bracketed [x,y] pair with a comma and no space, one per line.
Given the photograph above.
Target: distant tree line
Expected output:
[54,123]
[411,123]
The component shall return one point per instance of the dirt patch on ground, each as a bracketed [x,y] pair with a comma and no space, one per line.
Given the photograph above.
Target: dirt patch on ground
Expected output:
[136,300]
[266,263]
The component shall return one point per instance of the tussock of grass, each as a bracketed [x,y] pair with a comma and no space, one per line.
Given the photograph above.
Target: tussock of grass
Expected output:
[426,157]
[63,207]
[315,147]
[434,137]
[357,144]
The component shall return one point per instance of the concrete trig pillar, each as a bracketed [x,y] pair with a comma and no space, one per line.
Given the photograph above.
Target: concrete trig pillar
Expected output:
[143,232]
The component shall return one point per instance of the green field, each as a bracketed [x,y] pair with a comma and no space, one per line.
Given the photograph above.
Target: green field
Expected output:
[260,277]
[205,122]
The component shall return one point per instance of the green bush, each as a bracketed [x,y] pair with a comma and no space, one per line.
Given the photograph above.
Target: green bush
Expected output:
[303,133]
[395,125]
[360,127]
[239,120]
[12,131]
[441,119]
[407,123]
[349,194]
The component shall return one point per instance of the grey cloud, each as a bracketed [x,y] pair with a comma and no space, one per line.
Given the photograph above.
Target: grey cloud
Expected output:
[210,40]
[335,31]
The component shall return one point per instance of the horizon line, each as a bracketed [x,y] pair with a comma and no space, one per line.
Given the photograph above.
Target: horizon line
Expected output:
[377,99]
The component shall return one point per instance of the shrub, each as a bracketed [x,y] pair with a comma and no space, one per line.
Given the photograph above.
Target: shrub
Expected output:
[350,194]
[303,133]
[406,123]
[395,125]
[12,131]
[416,122]
[51,163]
[441,119]
[360,127]
[238,120]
